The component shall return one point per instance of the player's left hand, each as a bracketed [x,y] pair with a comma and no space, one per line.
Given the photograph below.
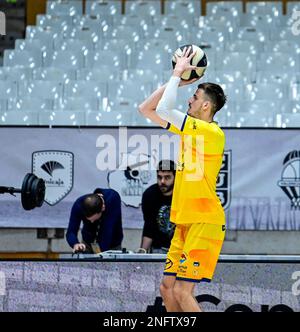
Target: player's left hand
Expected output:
[183,62]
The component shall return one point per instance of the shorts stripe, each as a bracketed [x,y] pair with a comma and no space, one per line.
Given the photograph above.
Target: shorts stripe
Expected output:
[170,274]
[194,280]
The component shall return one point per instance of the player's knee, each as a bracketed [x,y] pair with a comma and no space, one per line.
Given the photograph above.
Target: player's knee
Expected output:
[165,289]
[180,294]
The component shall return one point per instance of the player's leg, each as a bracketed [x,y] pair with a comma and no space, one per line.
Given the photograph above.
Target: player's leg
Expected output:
[172,261]
[184,295]
[167,293]
[201,250]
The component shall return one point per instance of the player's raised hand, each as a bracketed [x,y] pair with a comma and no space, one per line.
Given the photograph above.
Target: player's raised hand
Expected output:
[183,62]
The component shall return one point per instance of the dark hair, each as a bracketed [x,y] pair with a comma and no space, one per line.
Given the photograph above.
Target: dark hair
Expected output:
[166,166]
[92,204]
[215,93]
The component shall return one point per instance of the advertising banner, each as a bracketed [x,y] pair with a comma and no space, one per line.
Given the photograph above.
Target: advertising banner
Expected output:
[258,184]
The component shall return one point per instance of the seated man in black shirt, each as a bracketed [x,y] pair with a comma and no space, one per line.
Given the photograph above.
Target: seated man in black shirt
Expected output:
[156,203]
[102,229]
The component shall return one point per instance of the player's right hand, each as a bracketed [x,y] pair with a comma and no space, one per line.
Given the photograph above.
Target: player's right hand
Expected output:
[79,247]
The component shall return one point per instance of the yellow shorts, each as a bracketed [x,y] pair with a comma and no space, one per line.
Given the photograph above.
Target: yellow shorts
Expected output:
[194,251]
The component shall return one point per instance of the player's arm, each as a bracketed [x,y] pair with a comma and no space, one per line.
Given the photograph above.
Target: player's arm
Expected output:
[148,107]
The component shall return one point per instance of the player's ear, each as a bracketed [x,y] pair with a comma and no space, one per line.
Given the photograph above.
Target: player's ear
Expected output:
[206,104]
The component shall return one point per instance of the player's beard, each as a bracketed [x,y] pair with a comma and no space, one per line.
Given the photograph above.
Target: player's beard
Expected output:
[166,189]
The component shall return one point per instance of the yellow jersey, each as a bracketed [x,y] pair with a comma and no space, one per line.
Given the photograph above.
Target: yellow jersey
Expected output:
[200,158]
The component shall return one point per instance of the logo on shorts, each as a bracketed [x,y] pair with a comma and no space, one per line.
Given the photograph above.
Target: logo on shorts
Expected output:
[169,264]
[183,258]
[223,228]
[196,264]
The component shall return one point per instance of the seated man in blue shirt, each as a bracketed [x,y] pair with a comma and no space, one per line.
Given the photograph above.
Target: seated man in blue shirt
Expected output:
[102,229]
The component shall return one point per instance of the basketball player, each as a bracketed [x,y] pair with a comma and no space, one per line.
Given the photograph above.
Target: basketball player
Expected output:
[196,209]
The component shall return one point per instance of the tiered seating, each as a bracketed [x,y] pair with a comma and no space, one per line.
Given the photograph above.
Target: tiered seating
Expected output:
[94,69]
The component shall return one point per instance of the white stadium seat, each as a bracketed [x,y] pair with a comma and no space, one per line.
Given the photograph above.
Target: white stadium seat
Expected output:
[41,89]
[280,61]
[231,76]
[30,103]
[282,46]
[86,89]
[235,91]
[218,8]
[54,74]
[251,120]
[15,74]
[76,104]
[29,44]
[112,118]
[19,118]
[84,33]
[141,121]
[36,45]
[292,6]
[132,20]
[143,7]
[235,61]
[23,59]
[95,22]
[183,8]
[290,107]
[74,45]
[141,76]
[159,45]
[54,20]
[284,33]
[276,76]
[101,73]
[3,105]
[100,7]
[127,90]
[62,118]
[244,46]
[208,34]
[290,120]
[177,34]
[67,60]
[8,89]
[262,7]
[266,91]
[63,7]
[294,93]
[258,20]
[114,59]
[259,34]
[155,60]
[46,34]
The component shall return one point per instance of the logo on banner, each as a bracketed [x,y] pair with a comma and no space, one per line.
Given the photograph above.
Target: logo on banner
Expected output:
[132,177]
[224,180]
[57,169]
[290,178]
